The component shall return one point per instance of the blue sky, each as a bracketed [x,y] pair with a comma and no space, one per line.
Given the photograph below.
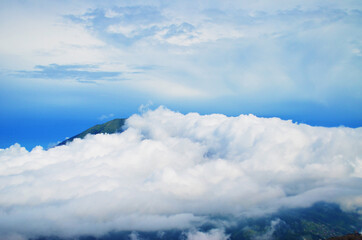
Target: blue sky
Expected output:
[67,65]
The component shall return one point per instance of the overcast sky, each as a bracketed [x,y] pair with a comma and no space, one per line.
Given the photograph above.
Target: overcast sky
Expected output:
[67,65]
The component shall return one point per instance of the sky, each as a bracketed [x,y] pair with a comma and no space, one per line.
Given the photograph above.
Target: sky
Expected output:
[68,65]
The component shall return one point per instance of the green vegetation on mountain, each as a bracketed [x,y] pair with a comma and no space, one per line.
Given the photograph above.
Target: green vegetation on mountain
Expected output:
[319,222]
[112,126]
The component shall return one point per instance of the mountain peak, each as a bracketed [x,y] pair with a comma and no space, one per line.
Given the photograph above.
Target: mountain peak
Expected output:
[112,126]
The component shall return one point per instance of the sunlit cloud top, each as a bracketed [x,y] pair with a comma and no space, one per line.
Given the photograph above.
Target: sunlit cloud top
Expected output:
[168,170]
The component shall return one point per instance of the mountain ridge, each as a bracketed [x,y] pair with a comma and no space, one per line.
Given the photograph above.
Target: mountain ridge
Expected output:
[112,126]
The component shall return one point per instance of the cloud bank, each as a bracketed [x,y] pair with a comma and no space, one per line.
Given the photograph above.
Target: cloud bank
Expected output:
[168,170]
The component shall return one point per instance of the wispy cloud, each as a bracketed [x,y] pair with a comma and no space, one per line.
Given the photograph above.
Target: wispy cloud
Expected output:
[245,50]
[80,73]
[252,54]
[213,234]
[106,116]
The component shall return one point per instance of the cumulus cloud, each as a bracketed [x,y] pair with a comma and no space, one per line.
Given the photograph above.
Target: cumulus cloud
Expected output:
[169,170]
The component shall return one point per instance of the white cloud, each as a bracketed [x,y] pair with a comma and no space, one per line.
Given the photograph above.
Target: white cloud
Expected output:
[285,51]
[106,116]
[164,88]
[269,233]
[213,234]
[127,30]
[170,170]
[32,36]
[203,34]
[134,236]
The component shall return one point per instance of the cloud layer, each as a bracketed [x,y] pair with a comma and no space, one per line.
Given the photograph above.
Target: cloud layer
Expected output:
[170,170]
[300,49]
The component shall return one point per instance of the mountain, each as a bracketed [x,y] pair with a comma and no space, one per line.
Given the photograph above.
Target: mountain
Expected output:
[354,236]
[320,221]
[112,126]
